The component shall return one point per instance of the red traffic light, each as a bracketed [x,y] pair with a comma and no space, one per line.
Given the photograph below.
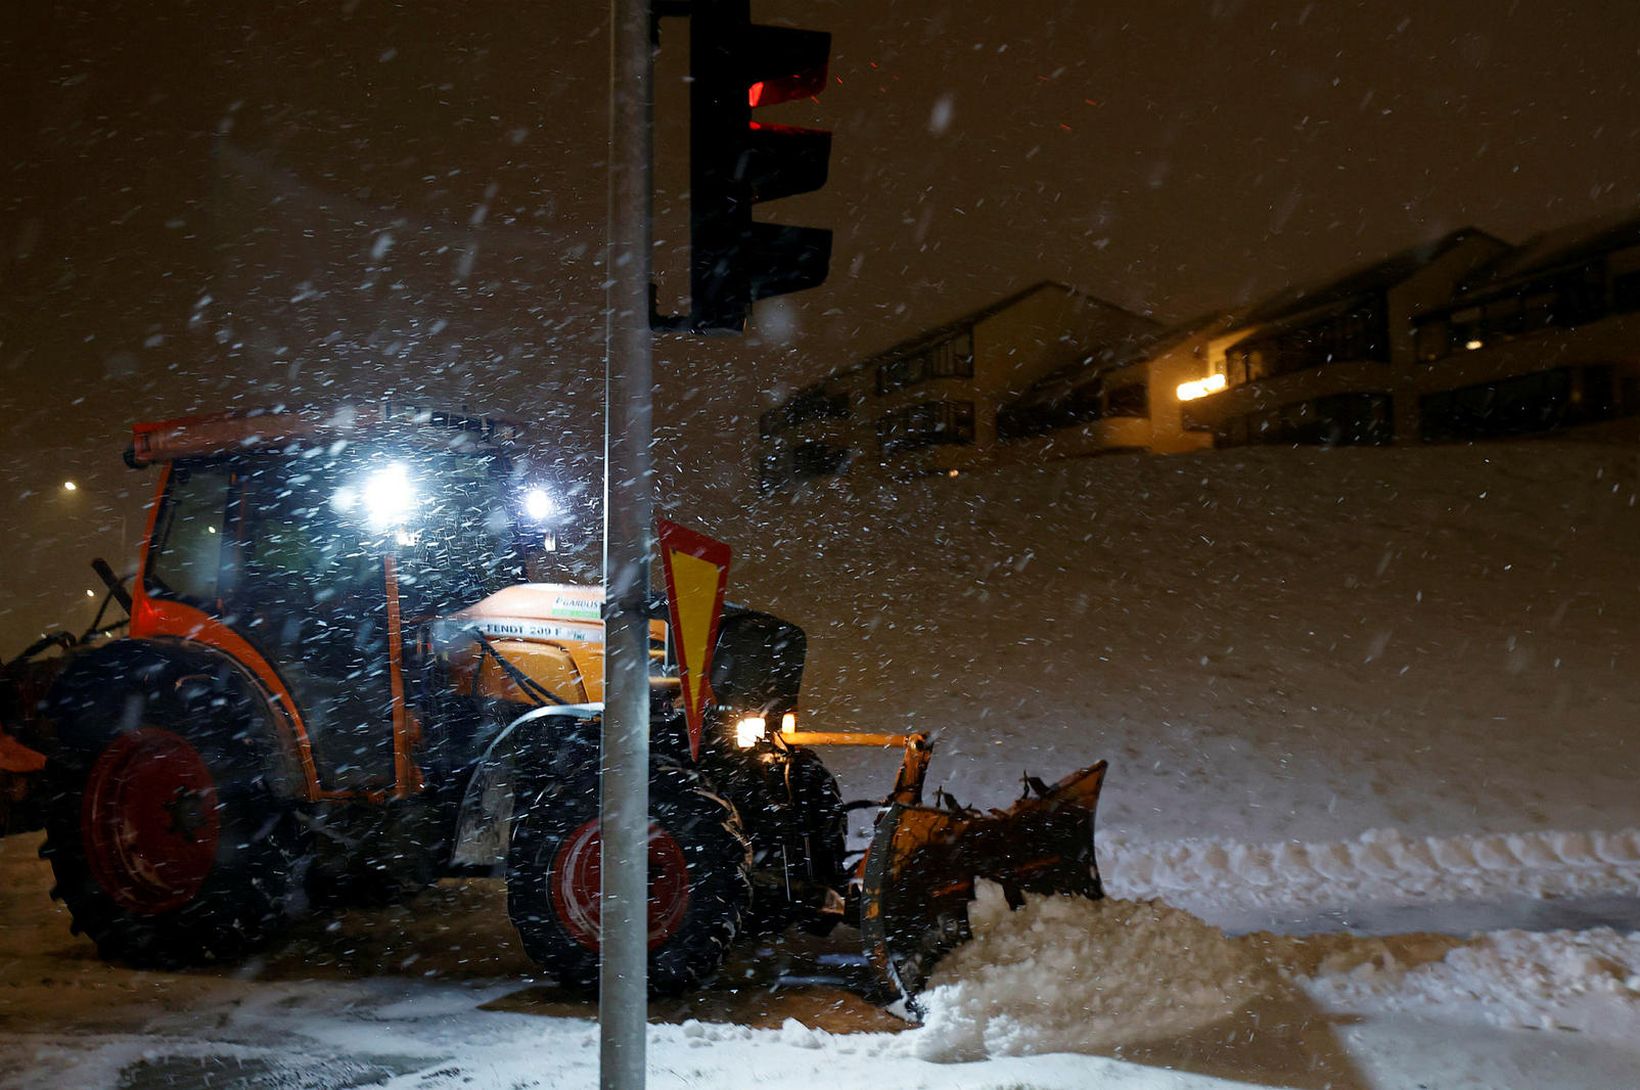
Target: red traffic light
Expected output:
[785,64]
[737,66]
[775,90]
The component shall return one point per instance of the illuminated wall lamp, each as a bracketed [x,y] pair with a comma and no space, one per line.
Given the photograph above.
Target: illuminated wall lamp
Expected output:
[1201,387]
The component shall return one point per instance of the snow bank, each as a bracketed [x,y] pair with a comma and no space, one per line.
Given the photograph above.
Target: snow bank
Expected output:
[1216,877]
[1064,974]
[1584,980]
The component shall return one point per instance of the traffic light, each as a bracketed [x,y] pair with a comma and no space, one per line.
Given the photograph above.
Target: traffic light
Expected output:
[736,163]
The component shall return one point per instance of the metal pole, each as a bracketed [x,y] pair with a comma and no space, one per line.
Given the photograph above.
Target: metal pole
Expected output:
[623,999]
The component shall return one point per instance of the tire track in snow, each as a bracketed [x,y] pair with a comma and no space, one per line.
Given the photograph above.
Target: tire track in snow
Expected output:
[1233,883]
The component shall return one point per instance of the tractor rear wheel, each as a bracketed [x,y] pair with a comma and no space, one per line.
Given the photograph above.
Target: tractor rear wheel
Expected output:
[169,842]
[699,860]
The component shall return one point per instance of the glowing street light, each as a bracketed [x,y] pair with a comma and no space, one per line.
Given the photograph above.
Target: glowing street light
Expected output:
[70,486]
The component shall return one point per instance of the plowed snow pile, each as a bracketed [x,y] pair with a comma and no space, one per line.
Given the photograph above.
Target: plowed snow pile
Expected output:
[1063,974]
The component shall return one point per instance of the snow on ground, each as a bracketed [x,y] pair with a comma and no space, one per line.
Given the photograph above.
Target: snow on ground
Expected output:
[1584,981]
[1230,882]
[1341,691]
[1067,975]
[1063,993]
[1266,643]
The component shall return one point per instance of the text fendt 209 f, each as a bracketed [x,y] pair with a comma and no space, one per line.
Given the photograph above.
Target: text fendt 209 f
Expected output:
[337,685]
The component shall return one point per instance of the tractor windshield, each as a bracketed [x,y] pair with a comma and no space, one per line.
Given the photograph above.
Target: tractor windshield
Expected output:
[460,542]
[317,525]
[327,521]
[445,515]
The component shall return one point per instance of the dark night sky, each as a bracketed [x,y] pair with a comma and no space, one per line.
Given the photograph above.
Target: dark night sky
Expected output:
[204,205]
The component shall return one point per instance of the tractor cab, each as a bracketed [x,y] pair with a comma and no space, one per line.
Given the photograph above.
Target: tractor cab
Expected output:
[312,547]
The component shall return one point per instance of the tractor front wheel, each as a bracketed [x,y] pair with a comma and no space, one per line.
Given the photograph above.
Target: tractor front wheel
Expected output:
[699,860]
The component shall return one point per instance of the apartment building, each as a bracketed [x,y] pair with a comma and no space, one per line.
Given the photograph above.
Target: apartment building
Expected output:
[1546,335]
[1334,363]
[1459,338]
[930,404]
[1464,338]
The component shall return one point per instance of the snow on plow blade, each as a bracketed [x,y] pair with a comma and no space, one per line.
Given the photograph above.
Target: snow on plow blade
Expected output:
[923,861]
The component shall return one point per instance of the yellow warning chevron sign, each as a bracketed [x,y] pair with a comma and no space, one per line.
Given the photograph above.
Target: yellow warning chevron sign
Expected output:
[697,570]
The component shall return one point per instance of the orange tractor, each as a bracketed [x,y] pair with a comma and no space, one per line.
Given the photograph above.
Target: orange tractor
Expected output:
[339,685]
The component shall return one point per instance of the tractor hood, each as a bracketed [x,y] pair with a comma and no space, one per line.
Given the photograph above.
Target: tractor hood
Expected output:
[553,633]
[534,636]
[556,612]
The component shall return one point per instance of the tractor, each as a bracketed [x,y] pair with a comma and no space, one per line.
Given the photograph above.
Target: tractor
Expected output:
[339,685]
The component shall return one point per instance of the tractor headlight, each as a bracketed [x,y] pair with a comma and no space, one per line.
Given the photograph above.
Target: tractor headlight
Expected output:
[788,723]
[539,505]
[751,730]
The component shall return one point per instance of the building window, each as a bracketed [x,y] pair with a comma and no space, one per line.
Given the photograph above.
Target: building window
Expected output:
[925,424]
[1026,418]
[1358,334]
[1339,420]
[950,358]
[1538,311]
[1512,406]
[1131,400]
[810,403]
[1626,292]
[1036,418]
[817,459]
[1430,339]
[1565,297]
[1464,328]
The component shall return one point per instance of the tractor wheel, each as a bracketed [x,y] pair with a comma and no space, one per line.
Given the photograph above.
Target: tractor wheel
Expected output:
[170,843]
[698,889]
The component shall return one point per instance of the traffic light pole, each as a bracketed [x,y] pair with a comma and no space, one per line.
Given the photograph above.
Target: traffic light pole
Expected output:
[623,992]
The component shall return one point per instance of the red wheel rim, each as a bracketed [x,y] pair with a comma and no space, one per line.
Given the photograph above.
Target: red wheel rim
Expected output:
[576,881]
[149,821]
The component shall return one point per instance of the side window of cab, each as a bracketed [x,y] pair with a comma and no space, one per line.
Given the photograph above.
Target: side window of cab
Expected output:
[185,560]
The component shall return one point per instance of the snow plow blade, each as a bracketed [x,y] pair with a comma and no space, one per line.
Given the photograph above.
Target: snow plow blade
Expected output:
[919,872]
